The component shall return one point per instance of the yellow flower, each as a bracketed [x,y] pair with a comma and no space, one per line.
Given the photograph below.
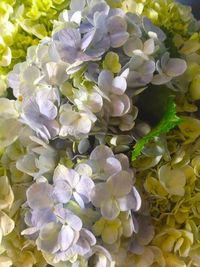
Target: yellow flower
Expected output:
[173,180]
[6,224]
[111,62]
[196,165]
[151,256]
[5,53]
[194,88]
[5,261]
[172,260]
[20,253]
[190,128]
[174,240]
[6,193]
[110,231]
[153,186]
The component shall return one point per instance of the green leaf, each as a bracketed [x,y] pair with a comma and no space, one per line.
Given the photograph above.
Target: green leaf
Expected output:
[169,121]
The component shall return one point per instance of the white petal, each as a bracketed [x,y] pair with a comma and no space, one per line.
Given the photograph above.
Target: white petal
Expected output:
[149,47]
[84,169]
[132,44]
[84,125]
[110,209]
[119,85]
[129,202]
[29,231]
[27,164]
[117,108]
[60,173]
[6,223]
[31,74]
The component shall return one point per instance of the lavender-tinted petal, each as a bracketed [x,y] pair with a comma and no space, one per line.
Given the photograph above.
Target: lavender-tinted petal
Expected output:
[65,237]
[40,195]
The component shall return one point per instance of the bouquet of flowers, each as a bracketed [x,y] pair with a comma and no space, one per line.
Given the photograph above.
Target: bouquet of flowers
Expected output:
[99,134]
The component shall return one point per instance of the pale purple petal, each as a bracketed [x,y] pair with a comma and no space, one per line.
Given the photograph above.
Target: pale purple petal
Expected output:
[48,238]
[105,81]
[117,27]
[112,166]
[85,187]
[62,191]
[42,216]
[66,237]
[120,184]
[175,67]
[86,234]
[47,108]
[72,178]
[79,199]
[118,39]
[132,44]
[100,153]
[159,79]
[76,5]
[150,27]
[70,37]
[40,196]
[100,193]
[68,217]
[73,220]
[86,240]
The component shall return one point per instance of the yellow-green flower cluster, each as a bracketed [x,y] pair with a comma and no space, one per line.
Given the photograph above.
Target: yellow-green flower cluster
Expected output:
[22,24]
[172,172]
[15,250]
[172,188]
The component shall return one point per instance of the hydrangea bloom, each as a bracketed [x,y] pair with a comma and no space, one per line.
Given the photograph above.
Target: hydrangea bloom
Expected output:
[75,108]
[23,24]
[51,217]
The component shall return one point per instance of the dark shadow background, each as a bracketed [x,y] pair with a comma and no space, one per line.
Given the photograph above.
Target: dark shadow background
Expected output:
[195,4]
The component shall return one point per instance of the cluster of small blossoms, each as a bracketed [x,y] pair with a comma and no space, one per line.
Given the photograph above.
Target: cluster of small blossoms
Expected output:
[60,212]
[65,139]
[83,80]
[23,24]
